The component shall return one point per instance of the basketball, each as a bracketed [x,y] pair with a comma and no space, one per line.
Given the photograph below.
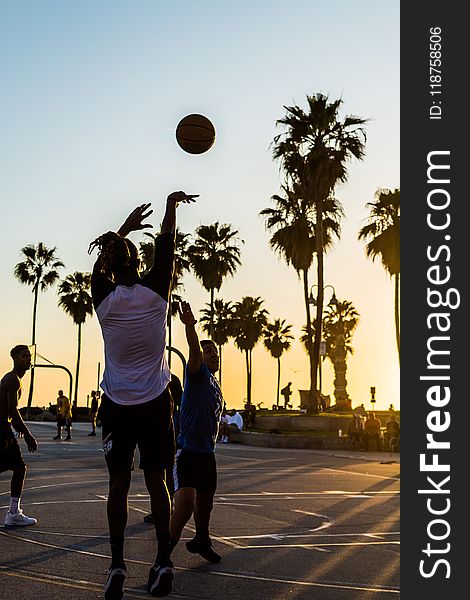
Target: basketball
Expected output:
[195,134]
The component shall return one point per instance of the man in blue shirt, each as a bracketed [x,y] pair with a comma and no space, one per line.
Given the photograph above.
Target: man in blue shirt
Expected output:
[195,472]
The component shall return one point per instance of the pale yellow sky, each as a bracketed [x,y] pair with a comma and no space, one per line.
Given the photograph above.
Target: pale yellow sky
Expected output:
[91,100]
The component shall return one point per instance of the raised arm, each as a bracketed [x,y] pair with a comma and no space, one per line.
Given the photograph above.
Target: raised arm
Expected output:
[195,351]
[169,218]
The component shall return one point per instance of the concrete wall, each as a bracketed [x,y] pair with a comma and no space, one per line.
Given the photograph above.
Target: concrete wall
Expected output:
[303,423]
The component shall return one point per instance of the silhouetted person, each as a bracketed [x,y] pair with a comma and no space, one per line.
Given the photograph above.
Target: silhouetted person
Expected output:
[64,416]
[10,453]
[287,392]
[93,411]
[136,404]
[195,467]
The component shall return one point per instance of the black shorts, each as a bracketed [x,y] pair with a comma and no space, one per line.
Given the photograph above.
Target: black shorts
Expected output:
[148,426]
[196,470]
[10,453]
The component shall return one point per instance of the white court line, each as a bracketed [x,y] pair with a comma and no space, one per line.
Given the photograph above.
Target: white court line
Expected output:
[281,536]
[269,579]
[328,544]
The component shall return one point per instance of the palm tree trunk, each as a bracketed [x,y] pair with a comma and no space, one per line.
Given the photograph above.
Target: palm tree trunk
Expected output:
[397,312]
[220,367]
[33,342]
[278,380]
[309,326]
[77,369]
[212,314]
[320,296]
[248,378]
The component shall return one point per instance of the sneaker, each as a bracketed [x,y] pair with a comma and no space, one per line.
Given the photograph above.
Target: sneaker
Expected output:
[204,549]
[148,518]
[114,583]
[57,437]
[18,519]
[69,437]
[160,581]
[92,433]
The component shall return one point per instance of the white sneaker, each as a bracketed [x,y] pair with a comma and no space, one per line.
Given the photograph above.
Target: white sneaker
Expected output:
[19,519]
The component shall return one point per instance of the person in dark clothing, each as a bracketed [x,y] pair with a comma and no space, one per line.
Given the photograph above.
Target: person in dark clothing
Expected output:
[195,471]
[176,390]
[93,411]
[136,405]
[10,453]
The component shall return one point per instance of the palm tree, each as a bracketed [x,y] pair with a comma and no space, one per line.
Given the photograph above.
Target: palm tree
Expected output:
[250,320]
[314,150]
[339,322]
[294,223]
[76,302]
[222,326]
[40,270]
[213,256]
[147,255]
[277,338]
[383,233]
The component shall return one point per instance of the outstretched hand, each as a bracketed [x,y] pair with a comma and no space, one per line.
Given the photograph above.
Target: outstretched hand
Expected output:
[134,220]
[186,314]
[178,197]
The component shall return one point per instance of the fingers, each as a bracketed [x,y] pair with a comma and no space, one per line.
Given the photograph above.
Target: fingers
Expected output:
[183,197]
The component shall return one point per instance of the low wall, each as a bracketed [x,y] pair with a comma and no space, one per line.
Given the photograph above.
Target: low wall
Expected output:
[303,423]
[276,440]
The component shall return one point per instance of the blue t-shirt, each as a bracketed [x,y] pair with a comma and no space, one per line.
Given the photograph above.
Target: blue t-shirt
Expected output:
[201,407]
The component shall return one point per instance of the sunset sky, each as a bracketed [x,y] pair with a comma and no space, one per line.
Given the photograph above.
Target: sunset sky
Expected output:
[91,96]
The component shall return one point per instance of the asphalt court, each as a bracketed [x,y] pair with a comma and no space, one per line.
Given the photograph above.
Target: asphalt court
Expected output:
[299,524]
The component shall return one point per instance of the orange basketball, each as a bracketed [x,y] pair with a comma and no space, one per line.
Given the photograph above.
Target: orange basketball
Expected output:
[195,134]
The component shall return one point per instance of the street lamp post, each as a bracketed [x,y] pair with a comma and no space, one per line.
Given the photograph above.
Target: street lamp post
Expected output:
[333,302]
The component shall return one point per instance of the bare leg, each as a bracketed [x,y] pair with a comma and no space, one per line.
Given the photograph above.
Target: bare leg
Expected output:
[185,499]
[117,513]
[161,507]
[202,513]
[17,481]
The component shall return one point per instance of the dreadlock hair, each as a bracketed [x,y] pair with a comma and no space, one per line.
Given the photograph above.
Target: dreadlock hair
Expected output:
[116,253]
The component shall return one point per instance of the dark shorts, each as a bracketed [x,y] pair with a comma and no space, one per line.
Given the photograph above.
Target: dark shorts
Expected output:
[62,421]
[196,470]
[148,426]
[10,453]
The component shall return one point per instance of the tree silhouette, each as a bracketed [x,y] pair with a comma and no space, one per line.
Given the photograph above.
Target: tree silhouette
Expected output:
[277,339]
[39,270]
[76,301]
[293,221]
[249,321]
[383,233]
[222,326]
[313,151]
[213,256]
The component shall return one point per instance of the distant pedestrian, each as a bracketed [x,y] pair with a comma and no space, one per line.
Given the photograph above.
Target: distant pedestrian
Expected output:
[64,416]
[10,453]
[356,431]
[287,393]
[372,428]
[93,411]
